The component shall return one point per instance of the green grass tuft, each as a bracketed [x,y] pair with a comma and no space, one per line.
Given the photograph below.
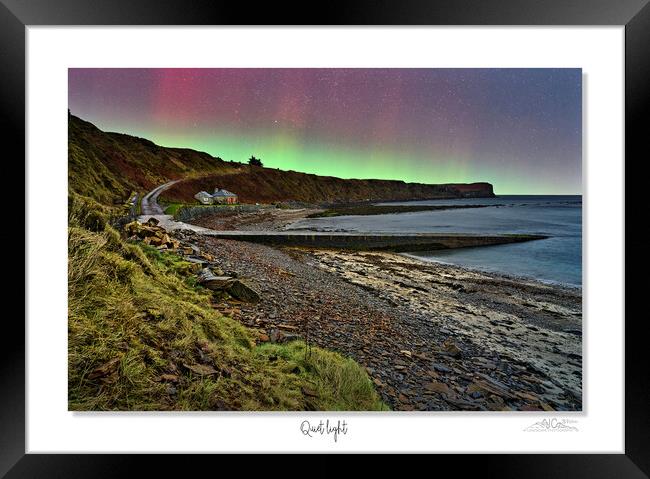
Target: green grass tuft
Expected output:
[172,208]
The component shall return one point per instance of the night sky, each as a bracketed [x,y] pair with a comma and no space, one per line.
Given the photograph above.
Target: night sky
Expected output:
[519,129]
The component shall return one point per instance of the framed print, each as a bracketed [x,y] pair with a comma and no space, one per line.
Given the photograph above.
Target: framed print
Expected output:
[403,230]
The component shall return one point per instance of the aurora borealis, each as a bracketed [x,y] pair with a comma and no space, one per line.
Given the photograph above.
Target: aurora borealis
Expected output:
[519,129]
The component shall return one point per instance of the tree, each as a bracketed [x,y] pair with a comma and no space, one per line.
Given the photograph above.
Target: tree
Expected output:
[255,161]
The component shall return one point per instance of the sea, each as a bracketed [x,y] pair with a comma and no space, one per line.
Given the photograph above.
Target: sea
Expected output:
[557,259]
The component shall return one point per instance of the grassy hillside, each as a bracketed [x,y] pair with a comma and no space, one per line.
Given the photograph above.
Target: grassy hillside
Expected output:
[143,336]
[109,166]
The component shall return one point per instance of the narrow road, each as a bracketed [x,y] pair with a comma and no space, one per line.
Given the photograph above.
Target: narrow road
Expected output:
[149,205]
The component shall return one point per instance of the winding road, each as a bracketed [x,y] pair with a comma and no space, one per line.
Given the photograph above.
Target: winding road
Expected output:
[149,205]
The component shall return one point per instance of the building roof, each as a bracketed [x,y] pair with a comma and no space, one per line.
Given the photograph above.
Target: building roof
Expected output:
[202,193]
[218,192]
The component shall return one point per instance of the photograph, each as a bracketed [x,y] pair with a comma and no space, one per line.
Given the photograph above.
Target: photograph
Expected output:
[400,228]
[325,239]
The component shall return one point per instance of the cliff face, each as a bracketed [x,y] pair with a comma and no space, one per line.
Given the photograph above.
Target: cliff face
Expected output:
[265,185]
[109,166]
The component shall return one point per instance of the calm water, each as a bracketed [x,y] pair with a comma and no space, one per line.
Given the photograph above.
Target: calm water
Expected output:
[556,259]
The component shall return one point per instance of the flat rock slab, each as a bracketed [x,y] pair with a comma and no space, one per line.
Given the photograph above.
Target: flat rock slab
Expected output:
[216,283]
[244,292]
[236,288]
[375,241]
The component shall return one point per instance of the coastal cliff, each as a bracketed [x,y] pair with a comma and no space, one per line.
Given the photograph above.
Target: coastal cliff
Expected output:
[474,190]
[267,185]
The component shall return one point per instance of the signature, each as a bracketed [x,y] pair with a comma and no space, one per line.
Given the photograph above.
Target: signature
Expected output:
[324,428]
[552,425]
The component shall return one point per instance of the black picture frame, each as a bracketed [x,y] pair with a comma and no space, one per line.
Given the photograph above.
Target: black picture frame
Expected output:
[15,15]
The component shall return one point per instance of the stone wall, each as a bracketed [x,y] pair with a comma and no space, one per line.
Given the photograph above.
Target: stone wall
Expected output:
[187,213]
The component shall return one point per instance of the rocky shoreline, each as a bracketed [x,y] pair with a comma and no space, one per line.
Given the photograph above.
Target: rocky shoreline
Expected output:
[433,337]
[525,332]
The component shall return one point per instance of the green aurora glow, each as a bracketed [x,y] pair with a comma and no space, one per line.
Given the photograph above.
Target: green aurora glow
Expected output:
[289,153]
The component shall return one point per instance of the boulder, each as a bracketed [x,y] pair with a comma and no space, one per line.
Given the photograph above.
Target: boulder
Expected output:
[216,283]
[152,221]
[201,262]
[238,289]
[132,228]
[277,336]
[153,240]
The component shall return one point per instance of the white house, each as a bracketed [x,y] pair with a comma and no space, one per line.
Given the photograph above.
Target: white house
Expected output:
[204,198]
